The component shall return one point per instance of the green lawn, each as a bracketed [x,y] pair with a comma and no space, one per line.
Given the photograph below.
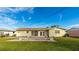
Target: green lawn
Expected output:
[61,44]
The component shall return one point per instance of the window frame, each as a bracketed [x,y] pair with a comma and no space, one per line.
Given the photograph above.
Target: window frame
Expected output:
[57,31]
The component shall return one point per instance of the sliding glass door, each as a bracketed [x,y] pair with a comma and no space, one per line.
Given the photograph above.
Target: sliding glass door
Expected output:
[34,33]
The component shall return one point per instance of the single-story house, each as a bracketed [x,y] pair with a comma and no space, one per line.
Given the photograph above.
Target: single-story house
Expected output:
[38,33]
[73,32]
[6,32]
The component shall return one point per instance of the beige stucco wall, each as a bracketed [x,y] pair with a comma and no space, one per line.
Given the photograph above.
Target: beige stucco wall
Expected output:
[53,34]
[23,33]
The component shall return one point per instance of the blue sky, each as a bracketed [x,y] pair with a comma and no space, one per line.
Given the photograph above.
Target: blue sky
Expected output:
[35,17]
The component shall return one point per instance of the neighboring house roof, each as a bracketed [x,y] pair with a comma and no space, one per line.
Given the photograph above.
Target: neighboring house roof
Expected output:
[22,29]
[74,32]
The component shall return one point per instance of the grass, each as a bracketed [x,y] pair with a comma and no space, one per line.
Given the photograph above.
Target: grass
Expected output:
[71,43]
[61,44]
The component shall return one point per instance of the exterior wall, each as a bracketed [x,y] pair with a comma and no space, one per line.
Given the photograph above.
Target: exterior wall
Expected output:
[6,32]
[23,33]
[10,33]
[49,33]
[53,34]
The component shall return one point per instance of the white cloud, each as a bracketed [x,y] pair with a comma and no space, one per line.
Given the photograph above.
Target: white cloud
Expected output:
[25,20]
[40,25]
[73,26]
[13,10]
[17,9]
[7,21]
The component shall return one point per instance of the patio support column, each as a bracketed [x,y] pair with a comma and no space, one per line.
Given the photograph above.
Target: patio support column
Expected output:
[38,33]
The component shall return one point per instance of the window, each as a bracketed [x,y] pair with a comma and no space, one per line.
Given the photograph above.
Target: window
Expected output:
[42,33]
[57,31]
[35,33]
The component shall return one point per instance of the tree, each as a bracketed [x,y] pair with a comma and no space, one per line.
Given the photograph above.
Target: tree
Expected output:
[55,26]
